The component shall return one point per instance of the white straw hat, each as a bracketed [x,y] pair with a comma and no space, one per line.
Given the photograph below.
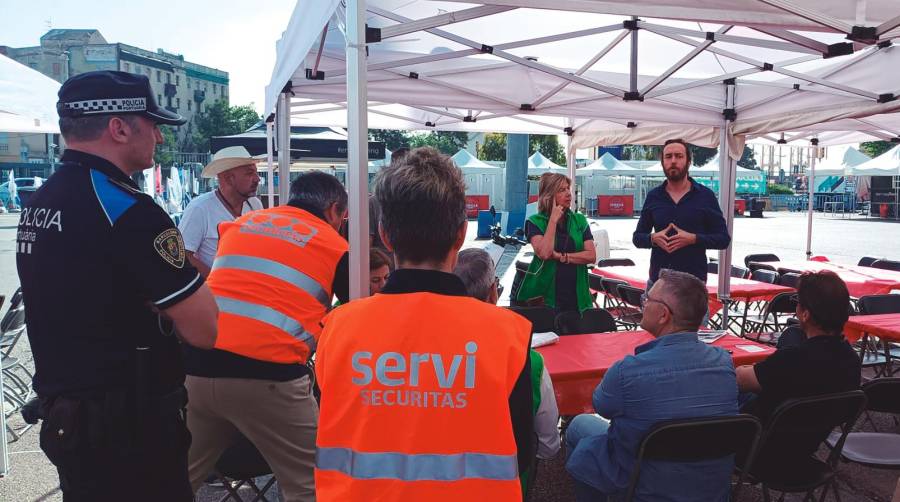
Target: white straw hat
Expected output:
[228,158]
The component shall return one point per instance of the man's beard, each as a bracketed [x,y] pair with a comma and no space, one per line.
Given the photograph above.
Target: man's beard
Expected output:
[682,173]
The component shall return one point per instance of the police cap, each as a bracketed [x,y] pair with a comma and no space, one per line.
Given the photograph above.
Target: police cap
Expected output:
[112,93]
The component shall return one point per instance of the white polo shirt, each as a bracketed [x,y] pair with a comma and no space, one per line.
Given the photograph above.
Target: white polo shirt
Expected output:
[200,224]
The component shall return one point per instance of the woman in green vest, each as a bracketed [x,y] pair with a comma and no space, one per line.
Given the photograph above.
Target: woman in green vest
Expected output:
[563,246]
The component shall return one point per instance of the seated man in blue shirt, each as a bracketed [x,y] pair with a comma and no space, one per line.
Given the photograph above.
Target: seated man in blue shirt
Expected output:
[675,376]
[680,219]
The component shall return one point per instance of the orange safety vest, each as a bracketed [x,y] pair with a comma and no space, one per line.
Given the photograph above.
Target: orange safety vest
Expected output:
[272,280]
[415,400]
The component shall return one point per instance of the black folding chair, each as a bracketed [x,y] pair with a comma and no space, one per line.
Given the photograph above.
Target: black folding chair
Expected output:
[879,304]
[800,426]
[875,449]
[589,321]
[612,302]
[755,265]
[789,279]
[867,261]
[595,283]
[631,297]
[764,275]
[766,327]
[759,258]
[712,268]
[238,467]
[887,265]
[697,439]
[521,270]
[543,319]
[614,262]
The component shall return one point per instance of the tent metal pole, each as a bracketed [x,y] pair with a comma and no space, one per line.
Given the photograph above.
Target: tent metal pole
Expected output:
[811,191]
[727,167]
[357,149]
[634,58]
[445,19]
[283,143]
[570,165]
[816,17]
[270,169]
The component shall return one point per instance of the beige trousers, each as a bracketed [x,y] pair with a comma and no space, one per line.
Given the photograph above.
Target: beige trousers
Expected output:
[279,418]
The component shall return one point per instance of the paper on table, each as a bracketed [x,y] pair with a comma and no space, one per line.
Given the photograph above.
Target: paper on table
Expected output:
[751,348]
[541,339]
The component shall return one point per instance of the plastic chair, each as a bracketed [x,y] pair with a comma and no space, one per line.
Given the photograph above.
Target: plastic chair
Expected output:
[589,321]
[614,262]
[875,449]
[542,318]
[887,265]
[759,258]
[696,439]
[800,425]
[238,466]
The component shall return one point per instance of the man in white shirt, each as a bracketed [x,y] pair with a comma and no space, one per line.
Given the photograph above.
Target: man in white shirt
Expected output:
[235,169]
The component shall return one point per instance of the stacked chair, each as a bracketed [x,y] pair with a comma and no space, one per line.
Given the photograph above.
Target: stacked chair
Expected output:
[17,389]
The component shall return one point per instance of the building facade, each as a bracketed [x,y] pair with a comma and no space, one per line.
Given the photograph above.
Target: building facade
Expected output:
[180,86]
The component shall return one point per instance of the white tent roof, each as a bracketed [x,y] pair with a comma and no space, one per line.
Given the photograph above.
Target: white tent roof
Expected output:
[539,161]
[607,165]
[840,161]
[27,99]
[464,159]
[886,164]
[470,68]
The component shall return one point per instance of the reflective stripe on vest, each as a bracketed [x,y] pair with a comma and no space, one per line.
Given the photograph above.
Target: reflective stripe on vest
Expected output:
[274,269]
[417,467]
[268,316]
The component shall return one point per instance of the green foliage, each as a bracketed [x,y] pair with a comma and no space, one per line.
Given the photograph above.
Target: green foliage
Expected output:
[776,189]
[220,119]
[494,147]
[748,160]
[392,138]
[163,153]
[701,155]
[447,143]
[875,148]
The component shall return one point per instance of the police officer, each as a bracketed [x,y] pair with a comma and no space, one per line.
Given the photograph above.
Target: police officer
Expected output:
[102,267]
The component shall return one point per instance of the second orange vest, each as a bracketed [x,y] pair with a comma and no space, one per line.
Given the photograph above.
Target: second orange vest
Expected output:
[272,280]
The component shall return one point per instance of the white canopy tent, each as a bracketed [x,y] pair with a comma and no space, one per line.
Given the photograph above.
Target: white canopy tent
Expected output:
[607,165]
[465,67]
[539,161]
[464,159]
[886,164]
[27,100]
[840,161]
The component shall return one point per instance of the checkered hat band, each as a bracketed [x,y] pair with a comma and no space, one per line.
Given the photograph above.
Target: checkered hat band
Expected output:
[113,105]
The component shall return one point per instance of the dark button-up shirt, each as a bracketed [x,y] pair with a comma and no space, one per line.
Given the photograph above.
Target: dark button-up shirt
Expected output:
[697,212]
[96,257]
[675,376]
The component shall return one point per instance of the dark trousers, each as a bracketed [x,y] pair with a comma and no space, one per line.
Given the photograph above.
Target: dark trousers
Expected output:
[99,457]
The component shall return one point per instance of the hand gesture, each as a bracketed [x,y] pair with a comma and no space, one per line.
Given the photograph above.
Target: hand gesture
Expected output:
[660,239]
[557,212]
[681,239]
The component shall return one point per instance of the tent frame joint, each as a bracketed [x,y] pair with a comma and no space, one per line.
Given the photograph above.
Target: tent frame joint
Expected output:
[631,24]
[526,107]
[838,49]
[373,35]
[314,75]
[864,34]
[469,118]
[413,75]
[884,44]
[633,96]
[569,131]
[729,114]
[886,98]
[730,81]
[487,49]
[631,125]
[429,124]
[767,67]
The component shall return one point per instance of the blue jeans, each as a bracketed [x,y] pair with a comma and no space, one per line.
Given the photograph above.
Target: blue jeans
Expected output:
[581,427]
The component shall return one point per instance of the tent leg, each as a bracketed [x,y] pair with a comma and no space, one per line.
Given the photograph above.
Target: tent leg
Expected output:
[727,168]
[357,149]
[270,169]
[811,191]
[283,135]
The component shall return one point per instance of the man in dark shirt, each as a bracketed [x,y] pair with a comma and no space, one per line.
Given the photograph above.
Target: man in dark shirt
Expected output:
[824,363]
[680,219]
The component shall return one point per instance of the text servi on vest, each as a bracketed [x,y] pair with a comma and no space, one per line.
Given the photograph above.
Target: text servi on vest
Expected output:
[394,369]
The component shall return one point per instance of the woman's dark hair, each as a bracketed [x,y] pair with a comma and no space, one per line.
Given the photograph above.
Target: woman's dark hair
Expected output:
[378,259]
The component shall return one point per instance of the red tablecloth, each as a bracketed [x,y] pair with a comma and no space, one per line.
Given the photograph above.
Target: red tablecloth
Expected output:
[578,362]
[884,326]
[741,289]
[861,281]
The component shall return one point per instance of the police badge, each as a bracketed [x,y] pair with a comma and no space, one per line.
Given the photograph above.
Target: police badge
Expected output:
[170,246]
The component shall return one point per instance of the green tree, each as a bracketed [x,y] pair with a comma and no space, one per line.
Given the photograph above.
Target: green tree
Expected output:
[748,160]
[163,153]
[392,138]
[494,147]
[444,141]
[875,148]
[220,119]
[701,155]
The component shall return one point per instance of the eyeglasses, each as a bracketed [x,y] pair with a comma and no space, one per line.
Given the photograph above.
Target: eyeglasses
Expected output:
[646,298]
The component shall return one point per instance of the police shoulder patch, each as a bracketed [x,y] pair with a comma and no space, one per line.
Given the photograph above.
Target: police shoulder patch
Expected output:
[170,247]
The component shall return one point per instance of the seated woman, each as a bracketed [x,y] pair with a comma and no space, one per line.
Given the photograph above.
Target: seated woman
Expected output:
[563,246]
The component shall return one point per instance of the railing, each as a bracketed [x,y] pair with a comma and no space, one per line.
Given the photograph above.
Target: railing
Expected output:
[837,202]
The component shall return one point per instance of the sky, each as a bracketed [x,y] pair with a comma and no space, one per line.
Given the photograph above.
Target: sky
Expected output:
[231,35]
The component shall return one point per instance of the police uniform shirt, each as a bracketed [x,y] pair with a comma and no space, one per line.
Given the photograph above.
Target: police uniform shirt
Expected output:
[95,258]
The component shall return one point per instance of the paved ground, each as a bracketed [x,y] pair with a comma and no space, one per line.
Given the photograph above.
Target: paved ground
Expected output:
[32,477]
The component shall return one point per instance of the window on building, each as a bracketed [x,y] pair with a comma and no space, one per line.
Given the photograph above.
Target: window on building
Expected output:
[127,67]
[189,83]
[189,104]
[158,76]
[177,103]
[56,68]
[177,79]
[168,78]
[159,98]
